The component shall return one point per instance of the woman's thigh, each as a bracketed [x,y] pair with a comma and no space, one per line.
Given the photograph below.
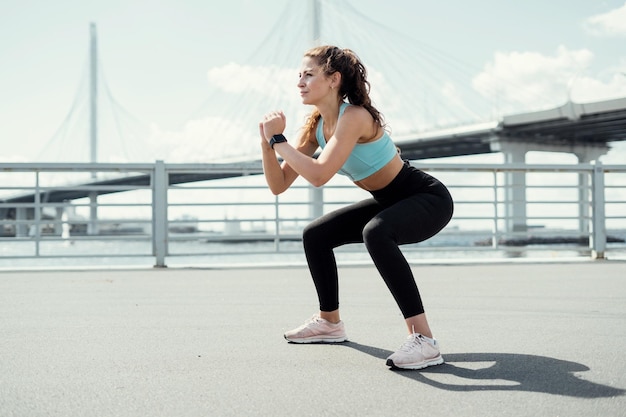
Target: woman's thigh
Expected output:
[344,225]
[414,219]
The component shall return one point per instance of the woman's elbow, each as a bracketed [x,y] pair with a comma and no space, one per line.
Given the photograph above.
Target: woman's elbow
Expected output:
[319,181]
[277,190]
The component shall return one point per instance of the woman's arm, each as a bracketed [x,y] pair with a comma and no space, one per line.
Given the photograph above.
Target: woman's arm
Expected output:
[354,124]
[279,177]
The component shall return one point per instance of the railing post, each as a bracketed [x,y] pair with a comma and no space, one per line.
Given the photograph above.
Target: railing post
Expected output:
[495,230]
[37,215]
[276,224]
[597,241]
[160,184]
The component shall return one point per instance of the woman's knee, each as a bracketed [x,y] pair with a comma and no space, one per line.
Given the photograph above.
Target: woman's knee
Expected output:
[313,233]
[376,231]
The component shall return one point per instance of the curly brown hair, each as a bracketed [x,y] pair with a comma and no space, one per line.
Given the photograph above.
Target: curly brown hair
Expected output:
[354,85]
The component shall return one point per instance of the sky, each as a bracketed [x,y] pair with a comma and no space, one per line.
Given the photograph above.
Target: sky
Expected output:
[175,69]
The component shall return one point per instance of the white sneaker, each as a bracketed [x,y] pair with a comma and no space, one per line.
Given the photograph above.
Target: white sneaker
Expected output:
[416,353]
[318,330]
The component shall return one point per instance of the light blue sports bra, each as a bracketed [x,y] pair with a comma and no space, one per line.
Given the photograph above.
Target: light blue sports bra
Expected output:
[366,158]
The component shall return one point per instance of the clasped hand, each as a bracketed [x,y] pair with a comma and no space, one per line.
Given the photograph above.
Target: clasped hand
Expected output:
[273,123]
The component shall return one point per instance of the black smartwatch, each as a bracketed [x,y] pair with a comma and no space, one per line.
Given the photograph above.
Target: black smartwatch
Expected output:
[280,138]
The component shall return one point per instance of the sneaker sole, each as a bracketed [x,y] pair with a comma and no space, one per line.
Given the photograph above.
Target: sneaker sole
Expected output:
[422,365]
[317,340]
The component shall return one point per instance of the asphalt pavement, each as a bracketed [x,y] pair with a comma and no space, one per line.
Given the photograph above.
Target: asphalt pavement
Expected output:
[519,339]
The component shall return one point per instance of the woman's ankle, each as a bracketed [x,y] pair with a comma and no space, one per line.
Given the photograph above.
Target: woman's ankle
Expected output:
[331,316]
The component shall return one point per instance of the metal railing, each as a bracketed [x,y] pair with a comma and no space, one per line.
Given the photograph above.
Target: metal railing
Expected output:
[212,211]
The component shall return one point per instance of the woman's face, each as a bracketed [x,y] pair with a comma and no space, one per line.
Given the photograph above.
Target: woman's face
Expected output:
[312,82]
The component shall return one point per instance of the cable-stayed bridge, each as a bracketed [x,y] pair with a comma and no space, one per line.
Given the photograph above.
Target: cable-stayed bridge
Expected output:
[427,97]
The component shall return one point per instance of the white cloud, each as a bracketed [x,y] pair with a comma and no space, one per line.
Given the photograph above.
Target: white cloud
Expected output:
[528,80]
[612,23]
[267,80]
[587,88]
[208,139]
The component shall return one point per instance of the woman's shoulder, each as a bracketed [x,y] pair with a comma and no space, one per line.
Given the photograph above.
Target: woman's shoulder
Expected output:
[357,112]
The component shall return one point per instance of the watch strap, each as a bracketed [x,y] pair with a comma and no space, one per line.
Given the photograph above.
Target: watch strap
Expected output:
[277,139]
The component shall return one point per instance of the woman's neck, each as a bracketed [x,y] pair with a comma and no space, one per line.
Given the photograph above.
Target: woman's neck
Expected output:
[330,112]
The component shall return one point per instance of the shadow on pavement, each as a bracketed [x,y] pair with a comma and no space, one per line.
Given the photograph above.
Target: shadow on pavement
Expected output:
[503,372]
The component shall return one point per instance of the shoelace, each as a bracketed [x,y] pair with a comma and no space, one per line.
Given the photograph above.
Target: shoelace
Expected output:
[412,342]
[312,321]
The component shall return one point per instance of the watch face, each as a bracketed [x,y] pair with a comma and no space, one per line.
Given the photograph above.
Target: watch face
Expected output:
[277,139]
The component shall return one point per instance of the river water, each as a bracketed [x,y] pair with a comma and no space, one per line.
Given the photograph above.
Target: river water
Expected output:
[193,251]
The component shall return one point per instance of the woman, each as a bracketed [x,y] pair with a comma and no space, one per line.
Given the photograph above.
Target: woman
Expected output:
[407,205]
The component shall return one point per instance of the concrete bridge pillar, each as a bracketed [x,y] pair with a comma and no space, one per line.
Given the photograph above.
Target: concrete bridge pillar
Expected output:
[515,188]
[58,220]
[92,226]
[21,229]
[586,155]
[316,202]
[515,201]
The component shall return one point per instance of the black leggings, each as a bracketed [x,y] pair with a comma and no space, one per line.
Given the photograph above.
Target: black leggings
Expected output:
[412,208]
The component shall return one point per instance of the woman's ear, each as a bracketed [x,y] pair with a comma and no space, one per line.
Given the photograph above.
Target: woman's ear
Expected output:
[335,79]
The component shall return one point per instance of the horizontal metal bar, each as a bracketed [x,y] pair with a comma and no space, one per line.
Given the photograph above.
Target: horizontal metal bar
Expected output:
[63,166]
[84,256]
